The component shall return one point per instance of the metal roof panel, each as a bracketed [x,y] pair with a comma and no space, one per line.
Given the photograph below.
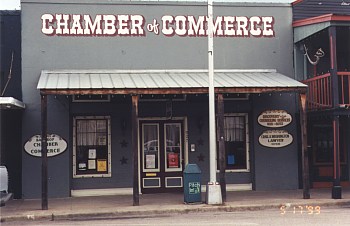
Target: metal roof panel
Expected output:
[155,79]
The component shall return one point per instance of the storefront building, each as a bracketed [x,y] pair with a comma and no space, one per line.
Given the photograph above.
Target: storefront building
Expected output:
[322,53]
[11,105]
[120,86]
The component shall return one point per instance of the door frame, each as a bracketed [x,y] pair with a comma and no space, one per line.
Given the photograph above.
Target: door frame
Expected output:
[185,140]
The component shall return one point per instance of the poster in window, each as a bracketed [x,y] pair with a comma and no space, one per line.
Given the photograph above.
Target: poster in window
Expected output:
[92,153]
[101,165]
[150,161]
[91,164]
[230,159]
[173,160]
[82,166]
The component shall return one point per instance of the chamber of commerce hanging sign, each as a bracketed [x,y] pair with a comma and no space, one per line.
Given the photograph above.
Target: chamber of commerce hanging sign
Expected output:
[274,118]
[275,138]
[55,145]
[167,25]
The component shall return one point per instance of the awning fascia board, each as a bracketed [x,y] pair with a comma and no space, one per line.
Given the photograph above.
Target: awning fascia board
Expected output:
[169,91]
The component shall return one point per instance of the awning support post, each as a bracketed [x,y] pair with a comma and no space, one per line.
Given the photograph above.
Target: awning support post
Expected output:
[336,189]
[221,139]
[304,152]
[134,116]
[44,182]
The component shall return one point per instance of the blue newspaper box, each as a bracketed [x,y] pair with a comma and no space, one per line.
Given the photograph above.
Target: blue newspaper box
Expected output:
[192,184]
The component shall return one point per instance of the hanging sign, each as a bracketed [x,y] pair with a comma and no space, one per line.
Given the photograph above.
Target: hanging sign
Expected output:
[275,138]
[274,118]
[55,145]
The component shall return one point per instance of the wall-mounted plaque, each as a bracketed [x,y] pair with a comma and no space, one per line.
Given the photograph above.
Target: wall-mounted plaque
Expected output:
[274,118]
[55,145]
[275,138]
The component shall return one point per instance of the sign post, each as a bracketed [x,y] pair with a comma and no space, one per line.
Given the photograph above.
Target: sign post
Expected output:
[213,195]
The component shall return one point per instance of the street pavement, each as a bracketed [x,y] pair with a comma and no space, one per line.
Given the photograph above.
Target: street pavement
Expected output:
[158,204]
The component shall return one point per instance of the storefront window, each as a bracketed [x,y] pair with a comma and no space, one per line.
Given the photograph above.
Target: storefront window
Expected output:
[323,153]
[92,151]
[236,142]
[173,146]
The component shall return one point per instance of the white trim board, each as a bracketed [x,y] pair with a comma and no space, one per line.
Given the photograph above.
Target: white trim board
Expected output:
[128,191]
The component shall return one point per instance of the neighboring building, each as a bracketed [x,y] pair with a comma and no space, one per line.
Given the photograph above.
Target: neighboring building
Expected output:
[123,76]
[322,61]
[10,99]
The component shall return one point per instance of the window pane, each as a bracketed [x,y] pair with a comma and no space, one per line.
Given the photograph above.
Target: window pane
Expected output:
[173,146]
[150,146]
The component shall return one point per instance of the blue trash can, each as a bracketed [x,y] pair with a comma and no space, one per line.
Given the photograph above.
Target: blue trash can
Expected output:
[192,184]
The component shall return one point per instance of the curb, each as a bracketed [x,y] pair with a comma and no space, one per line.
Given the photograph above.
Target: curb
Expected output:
[90,215]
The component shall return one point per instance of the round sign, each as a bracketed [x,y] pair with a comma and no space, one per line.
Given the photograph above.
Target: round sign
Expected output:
[274,118]
[275,138]
[55,145]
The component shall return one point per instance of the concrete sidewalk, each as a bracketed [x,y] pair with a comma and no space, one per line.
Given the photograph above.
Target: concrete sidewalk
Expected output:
[154,204]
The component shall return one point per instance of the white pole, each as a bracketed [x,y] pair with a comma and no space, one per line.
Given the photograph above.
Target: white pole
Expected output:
[212,130]
[213,188]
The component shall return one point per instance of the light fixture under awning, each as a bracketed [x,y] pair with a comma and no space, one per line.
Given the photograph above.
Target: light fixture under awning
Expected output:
[11,103]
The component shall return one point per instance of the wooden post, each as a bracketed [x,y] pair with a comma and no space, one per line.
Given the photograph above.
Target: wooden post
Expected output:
[221,139]
[304,150]
[336,189]
[44,183]
[134,131]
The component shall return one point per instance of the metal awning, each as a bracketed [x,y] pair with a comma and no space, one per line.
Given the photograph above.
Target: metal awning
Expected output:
[70,82]
[11,103]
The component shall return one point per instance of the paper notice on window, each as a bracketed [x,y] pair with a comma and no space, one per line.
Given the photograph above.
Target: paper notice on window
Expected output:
[101,165]
[91,164]
[150,161]
[101,140]
[82,166]
[92,153]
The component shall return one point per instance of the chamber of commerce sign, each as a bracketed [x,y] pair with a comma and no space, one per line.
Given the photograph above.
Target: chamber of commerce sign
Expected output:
[168,25]
[55,145]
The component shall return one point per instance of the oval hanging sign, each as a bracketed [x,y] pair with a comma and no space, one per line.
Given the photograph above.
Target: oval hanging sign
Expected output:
[275,138]
[274,118]
[55,145]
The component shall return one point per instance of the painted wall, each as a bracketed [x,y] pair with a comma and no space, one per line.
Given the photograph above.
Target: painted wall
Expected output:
[10,120]
[42,52]
[276,167]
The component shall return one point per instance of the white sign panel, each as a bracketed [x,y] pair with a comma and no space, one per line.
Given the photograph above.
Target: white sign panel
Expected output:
[274,118]
[275,138]
[55,145]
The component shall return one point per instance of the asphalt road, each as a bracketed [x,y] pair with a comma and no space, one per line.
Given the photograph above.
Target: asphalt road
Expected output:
[322,216]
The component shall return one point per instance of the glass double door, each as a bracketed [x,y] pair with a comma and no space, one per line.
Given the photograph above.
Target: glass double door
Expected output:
[161,155]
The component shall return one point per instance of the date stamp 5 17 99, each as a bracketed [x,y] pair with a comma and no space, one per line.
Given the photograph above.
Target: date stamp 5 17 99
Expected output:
[300,209]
